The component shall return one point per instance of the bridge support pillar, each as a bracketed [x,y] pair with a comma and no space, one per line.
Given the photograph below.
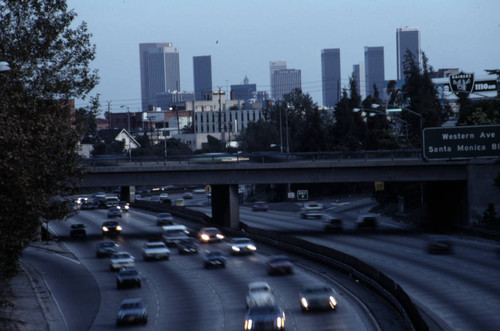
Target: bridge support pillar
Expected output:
[225,206]
[125,193]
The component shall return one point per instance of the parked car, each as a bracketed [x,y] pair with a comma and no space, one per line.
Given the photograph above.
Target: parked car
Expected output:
[239,246]
[210,234]
[121,260]
[367,221]
[187,246]
[333,224]
[317,296]
[132,311]
[312,210]
[265,318]
[106,248]
[214,259]
[78,230]
[259,294]
[111,228]
[439,245]
[128,277]
[155,250]
[260,206]
[124,206]
[279,264]
[164,219]
[114,212]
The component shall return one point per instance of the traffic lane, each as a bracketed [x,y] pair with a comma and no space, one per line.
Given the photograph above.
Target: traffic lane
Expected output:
[72,286]
[459,296]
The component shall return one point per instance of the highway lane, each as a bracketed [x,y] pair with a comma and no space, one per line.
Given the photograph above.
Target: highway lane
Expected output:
[181,294]
[459,290]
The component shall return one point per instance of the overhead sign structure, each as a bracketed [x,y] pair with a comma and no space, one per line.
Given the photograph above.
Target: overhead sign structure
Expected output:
[461,142]
[302,194]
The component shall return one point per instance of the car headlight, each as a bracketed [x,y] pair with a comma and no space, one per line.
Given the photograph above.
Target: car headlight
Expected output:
[333,302]
[204,237]
[280,322]
[219,236]
[105,229]
[248,324]
[118,207]
[303,302]
[252,247]
[127,207]
[119,228]
[236,249]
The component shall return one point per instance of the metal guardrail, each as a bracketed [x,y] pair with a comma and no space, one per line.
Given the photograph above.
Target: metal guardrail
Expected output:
[257,157]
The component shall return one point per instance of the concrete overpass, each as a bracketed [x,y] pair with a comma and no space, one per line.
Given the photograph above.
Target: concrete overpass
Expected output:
[456,192]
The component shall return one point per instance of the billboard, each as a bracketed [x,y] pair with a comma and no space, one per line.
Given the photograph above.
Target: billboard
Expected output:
[461,142]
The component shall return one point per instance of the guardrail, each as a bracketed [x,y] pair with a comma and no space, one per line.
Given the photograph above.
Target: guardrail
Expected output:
[257,157]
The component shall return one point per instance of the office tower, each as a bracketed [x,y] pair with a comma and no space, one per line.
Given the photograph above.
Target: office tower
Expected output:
[330,76]
[159,65]
[285,81]
[246,92]
[359,76]
[407,39]
[374,70]
[202,70]
[273,66]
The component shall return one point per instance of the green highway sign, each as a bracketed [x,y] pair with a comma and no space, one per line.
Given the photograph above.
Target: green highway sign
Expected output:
[461,142]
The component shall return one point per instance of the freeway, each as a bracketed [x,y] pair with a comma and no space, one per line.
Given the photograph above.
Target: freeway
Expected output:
[180,293]
[459,291]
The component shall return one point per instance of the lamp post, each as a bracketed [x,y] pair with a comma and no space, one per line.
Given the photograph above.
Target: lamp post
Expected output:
[130,135]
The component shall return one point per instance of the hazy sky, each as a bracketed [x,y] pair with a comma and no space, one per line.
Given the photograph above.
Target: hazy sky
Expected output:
[244,36]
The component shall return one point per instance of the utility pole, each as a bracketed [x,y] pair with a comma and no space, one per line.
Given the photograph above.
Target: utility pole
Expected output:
[108,115]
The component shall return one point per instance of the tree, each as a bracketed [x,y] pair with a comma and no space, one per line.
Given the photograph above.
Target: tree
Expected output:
[49,62]
[85,118]
[259,136]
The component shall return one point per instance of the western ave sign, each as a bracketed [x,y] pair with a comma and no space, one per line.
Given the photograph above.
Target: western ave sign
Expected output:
[461,142]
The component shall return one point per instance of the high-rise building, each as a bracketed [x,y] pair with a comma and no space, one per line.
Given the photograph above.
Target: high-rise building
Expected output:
[246,92]
[374,70]
[274,66]
[407,39]
[330,76]
[202,70]
[160,73]
[285,81]
[359,76]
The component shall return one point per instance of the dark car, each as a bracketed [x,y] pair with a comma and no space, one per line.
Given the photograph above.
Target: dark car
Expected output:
[367,221]
[317,296]
[124,206]
[106,248]
[208,235]
[132,311]
[90,203]
[270,317]
[187,196]
[439,245]
[114,212]
[128,277]
[111,228]
[164,219]
[78,230]
[260,206]
[187,246]
[279,264]
[214,259]
[333,224]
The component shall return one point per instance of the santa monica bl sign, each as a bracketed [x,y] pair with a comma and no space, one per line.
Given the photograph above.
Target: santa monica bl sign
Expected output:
[461,142]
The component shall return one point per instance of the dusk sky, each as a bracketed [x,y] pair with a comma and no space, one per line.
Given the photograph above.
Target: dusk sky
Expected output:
[242,37]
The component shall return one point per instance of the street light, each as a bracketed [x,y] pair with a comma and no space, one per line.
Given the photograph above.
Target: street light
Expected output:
[4,66]
[130,135]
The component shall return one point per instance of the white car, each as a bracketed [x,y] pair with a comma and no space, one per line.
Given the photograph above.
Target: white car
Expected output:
[241,246]
[121,260]
[259,294]
[155,250]
[312,210]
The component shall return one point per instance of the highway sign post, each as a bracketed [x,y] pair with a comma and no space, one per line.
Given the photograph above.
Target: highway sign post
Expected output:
[461,142]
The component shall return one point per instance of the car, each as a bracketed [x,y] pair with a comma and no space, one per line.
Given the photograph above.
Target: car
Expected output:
[164,219]
[259,294]
[124,206]
[78,230]
[128,277]
[111,228]
[110,202]
[90,203]
[265,318]
[317,296]
[279,264]
[164,197]
[121,260]
[214,259]
[187,196]
[207,235]
[187,246]
[106,248]
[155,250]
[260,206]
[333,224]
[239,246]
[439,245]
[114,212]
[138,197]
[199,191]
[179,202]
[132,311]
[367,221]
[172,234]
[312,210]
[155,198]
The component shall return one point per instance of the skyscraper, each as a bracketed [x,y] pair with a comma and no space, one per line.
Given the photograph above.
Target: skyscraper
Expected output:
[285,81]
[160,73]
[274,66]
[330,76]
[374,70]
[202,70]
[407,39]
[359,75]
